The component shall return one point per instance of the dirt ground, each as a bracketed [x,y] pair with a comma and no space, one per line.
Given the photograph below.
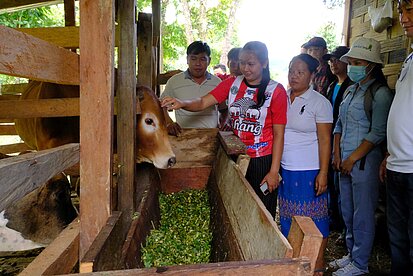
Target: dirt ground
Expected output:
[379,264]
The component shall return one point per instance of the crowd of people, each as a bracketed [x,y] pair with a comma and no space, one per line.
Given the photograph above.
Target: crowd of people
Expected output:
[322,146]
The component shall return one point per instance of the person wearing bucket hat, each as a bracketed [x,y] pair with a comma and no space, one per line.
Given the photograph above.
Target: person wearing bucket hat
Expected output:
[357,152]
[335,92]
[317,48]
[397,168]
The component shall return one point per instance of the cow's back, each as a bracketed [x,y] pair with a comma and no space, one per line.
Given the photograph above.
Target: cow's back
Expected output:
[44,133]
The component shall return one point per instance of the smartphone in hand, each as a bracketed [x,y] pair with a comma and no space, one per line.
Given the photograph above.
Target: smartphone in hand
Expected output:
[264,188]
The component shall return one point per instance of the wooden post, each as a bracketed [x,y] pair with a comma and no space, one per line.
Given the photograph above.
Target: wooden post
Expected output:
[97,35]
[145,49]
[126,110]
[346,23]
[157,43]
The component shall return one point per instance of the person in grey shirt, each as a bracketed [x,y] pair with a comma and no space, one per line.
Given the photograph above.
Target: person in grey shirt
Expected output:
[195,82]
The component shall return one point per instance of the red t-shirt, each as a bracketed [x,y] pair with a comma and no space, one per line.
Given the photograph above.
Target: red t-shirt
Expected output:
[253,126]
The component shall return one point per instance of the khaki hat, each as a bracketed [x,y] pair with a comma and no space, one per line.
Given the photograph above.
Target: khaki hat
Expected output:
[364,48]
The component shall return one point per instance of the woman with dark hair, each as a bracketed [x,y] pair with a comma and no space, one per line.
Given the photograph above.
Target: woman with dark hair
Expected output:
[358,134]
[257,109]
[307,149]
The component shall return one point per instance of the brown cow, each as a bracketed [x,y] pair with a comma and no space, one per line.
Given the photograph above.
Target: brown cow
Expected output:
[42,214]
[43,133]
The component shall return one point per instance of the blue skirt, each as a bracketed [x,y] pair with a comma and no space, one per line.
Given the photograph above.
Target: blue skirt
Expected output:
[296,196]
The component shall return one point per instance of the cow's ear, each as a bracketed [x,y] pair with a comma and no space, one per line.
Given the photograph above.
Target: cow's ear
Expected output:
[140,94]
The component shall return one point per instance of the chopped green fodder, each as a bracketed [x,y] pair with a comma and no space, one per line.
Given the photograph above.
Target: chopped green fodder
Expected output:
[183,236]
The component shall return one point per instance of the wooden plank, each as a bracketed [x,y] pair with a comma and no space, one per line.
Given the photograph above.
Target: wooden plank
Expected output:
[156,23]
[96,117]
[347,22]
[13,148]
[257,233]
[392,69]
[224,245]
[145,49]
[22,174]
[17,88]
[231,143]
[70,13]
[62,107]
[146,217]
[104,252]
[360,11]
[299,267]
[14,109]
[195,147]
[391,81]
[7,6]
[243,161]
[8,97]
[195,178]
[29,57]
[7,130]
[397,56]
[392,44]
[59,257]
[360,29]
[126,91]
[67,37]
[305,238]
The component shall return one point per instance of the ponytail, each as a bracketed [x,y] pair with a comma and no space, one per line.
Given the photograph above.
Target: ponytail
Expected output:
[262,87]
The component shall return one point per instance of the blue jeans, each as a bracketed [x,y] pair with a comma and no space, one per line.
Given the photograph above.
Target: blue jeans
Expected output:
[359,194]
[400,221]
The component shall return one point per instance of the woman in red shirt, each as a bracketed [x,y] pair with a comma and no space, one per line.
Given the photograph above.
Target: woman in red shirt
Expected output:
[257,108]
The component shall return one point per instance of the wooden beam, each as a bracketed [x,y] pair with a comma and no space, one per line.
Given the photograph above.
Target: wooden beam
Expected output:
[202,143]
[7,130]
[104,253]
[59,257]
[67,37]
[231,143]
[70,13]
[17,109]
[13,148]
[17,88]
[258,235]
[146,217]
[126,91]
[29,57]
[22,174]
[346,24]
[145,49]
[157,43]
[305,239]
[62,107]
[97,33]
[263,267]
[7,6]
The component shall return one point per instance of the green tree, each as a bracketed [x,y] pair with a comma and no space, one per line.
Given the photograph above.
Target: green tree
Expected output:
[333,3]
[196,20]
[328,32]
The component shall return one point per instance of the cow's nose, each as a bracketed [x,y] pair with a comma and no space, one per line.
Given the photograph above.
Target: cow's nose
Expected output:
[171,162]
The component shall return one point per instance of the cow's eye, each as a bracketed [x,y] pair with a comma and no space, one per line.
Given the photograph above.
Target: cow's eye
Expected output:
[149,121]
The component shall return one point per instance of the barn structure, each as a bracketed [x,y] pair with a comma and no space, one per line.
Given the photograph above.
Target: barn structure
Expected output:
[97,240]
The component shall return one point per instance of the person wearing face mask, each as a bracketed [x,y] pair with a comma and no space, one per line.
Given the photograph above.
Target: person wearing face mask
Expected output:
[357,153]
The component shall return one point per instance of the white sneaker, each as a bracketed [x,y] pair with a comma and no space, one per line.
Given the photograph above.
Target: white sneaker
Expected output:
[350,270]
[340,263]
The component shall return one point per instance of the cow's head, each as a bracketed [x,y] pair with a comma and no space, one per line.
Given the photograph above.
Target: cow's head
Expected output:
[152,136]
